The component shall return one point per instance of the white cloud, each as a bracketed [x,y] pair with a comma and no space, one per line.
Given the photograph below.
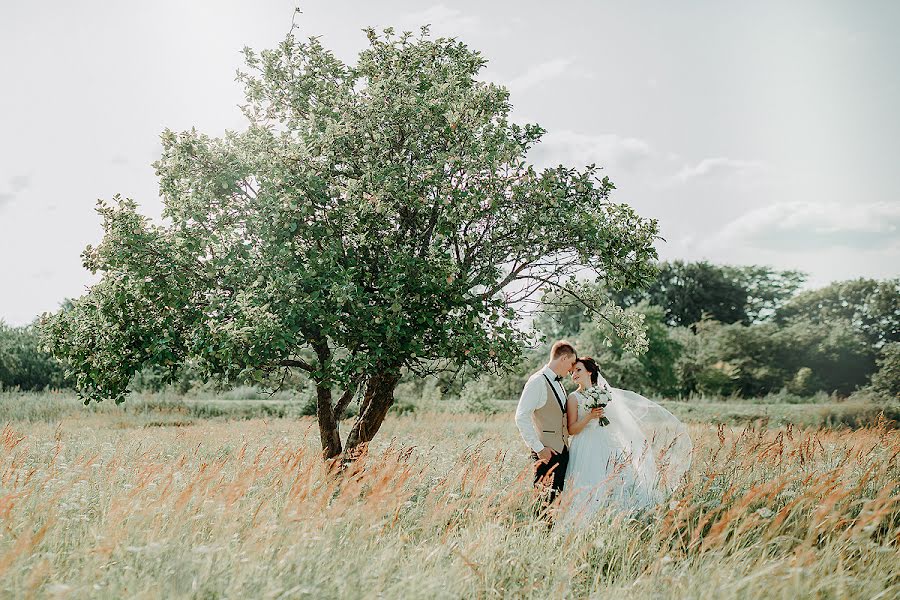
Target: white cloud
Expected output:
[719,167]
[539,73]
[610,151]
[16,185]
[443,20]
[815,225]
[19,183]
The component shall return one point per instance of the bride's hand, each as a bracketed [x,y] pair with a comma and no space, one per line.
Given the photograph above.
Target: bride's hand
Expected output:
[596,413]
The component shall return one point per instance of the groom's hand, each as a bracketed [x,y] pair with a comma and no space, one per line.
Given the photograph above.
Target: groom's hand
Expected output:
[546,454]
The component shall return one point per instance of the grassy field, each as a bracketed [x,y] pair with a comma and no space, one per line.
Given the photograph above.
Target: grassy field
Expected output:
[157,501]
[174,409]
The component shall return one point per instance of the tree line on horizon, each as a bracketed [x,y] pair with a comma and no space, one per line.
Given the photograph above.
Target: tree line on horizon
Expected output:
[747,331]
[716,330]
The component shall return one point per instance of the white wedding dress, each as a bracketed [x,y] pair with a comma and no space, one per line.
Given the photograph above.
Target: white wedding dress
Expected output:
[631,464]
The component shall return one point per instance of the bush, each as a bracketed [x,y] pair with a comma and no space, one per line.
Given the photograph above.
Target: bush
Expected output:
[478,398]
[402,408]
[838,357]
[886,381]
[308,407]
[23,364]
[755,360]
[243,392]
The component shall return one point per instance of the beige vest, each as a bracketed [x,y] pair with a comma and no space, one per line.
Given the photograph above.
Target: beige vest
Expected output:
[550,421]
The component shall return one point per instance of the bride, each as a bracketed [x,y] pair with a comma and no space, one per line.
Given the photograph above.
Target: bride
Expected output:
[630,464]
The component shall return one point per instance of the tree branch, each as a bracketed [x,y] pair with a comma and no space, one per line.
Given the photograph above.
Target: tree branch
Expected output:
[295,362]
[345,399]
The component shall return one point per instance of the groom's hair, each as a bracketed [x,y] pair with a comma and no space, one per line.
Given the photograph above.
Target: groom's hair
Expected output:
[562,348]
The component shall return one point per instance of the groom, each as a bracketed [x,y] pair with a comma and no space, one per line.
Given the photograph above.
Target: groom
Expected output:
[541,418]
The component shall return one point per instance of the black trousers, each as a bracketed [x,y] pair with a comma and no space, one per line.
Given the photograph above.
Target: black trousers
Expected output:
[551,474]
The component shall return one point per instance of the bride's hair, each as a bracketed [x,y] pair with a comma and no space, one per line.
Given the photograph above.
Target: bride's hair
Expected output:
[591,365]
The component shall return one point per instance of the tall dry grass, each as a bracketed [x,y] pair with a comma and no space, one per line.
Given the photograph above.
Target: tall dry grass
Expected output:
[96,506]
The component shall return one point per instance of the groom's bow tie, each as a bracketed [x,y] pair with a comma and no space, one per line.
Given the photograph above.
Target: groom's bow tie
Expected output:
[558,378]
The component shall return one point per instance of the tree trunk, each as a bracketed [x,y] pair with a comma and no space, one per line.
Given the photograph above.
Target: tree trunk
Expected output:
[328,422]
[377,400]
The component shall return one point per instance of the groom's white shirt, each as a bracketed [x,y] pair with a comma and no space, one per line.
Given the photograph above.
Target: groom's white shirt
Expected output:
[534,396]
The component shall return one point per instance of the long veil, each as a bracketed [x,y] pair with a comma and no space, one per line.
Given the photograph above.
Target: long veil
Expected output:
[658,444]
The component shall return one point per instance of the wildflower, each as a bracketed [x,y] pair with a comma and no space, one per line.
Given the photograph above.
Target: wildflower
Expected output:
[765,513]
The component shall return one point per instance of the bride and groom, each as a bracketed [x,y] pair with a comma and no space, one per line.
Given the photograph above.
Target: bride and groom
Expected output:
[631,463]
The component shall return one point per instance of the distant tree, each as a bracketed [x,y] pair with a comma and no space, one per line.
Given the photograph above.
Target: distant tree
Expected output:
[688,291]
[754,360]
[651,372]
[886,380]
[766,289]
[729,359]
[23,363]
[872,307]
[560,316]
[373,219]
[837,355]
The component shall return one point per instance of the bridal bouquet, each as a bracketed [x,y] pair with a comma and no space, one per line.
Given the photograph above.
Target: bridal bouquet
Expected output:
[598,397]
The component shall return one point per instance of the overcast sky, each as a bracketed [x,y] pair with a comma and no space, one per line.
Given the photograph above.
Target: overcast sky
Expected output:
[756,132]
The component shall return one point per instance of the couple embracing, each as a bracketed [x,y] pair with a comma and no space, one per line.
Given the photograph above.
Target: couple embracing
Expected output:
[598,446]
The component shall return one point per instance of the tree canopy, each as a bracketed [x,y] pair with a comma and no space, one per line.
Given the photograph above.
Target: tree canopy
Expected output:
[744,330]
[870,306]
[372,219]
[690,291]
[23,364]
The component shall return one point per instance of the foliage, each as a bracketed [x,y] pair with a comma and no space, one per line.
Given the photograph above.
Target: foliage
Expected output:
[23,363]
[872,307]
[819,341]
[372,218]
[652,372]
[837,355]
[725,293]
[750,361]
[765,288]
[886,380]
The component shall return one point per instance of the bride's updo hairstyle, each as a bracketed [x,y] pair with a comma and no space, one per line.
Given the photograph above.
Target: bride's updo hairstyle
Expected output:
[591,366]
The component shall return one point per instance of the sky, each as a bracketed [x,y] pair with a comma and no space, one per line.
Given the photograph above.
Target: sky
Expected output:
[760,132]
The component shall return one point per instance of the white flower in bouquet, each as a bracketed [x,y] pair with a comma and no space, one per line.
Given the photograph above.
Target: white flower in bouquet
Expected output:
[598,397]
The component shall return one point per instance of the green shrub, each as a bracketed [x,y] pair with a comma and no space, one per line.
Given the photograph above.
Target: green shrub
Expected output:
[886,381]
[23,364]
[402,408]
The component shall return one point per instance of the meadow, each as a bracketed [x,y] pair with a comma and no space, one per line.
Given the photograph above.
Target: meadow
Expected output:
[210,498]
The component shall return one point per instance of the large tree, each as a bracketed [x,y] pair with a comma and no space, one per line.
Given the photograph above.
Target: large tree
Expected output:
[372,219]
